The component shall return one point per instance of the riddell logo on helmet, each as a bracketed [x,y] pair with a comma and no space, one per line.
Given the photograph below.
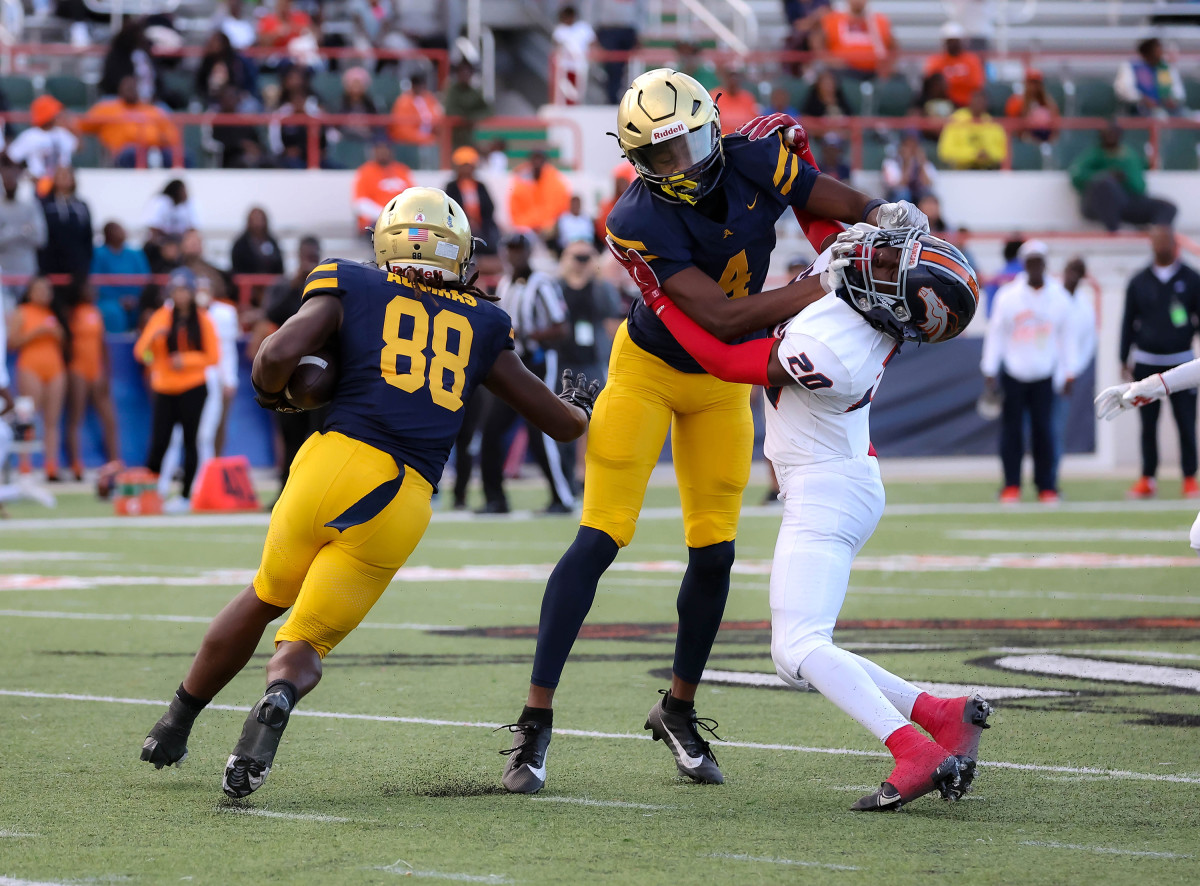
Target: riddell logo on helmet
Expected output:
[914,256]
[665,132]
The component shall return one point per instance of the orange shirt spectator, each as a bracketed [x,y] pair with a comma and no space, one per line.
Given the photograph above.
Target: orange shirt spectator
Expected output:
[737,104]
[87,342]
[128,122]
[280,27]
[862,41]
[963,70]
[37,338]
[378,180]
[539,195]
[417,113]
[1036,107]
[183,370]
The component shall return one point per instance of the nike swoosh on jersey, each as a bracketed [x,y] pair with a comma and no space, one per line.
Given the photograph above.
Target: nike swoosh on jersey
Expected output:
[753,202]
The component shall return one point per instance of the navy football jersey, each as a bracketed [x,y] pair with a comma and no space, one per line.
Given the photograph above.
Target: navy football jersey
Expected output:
[761,180]
[410,356]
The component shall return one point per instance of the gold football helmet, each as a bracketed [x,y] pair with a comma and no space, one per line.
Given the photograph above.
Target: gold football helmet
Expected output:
[670,130]
[424,228]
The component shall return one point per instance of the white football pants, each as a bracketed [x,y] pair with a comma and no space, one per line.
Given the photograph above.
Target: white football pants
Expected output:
[1195,535]
[206,435]
[829,511]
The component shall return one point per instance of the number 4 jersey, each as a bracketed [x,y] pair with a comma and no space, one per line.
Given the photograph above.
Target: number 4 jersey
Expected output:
[410,356]
[837,359]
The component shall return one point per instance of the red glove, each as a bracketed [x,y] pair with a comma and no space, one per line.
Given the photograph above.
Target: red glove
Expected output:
[642,275]
[794,135]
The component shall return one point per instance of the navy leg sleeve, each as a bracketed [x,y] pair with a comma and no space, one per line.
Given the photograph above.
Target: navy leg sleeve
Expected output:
[701,604]
[568,598]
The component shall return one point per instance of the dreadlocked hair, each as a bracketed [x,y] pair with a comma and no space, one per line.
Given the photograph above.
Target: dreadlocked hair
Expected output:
[418,278]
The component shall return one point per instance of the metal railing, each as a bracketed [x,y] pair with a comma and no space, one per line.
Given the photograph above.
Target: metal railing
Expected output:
[313,126]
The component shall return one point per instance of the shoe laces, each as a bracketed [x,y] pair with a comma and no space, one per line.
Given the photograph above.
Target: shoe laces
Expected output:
[525,749]
[694,724]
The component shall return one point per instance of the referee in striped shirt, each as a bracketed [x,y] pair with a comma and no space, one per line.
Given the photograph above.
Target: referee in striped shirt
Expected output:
[539,314]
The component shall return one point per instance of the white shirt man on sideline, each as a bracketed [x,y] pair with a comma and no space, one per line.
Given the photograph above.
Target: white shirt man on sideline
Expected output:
[1028,352]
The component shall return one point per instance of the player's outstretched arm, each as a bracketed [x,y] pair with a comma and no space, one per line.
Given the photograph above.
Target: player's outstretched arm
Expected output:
[305,332]
[564,417]
[1119,398]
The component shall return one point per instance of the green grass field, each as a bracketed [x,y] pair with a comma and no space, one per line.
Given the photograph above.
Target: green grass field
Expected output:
[1083,623]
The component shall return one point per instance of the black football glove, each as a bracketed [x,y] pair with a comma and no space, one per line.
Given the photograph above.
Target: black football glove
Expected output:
[578,391]
[276,401]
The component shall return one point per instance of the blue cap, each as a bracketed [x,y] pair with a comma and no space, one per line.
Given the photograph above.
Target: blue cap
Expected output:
[181,277]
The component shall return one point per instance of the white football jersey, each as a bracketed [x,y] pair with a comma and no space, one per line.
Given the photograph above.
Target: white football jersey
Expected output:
[838,359]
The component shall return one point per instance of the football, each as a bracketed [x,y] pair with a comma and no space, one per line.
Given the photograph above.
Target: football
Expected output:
[313,381]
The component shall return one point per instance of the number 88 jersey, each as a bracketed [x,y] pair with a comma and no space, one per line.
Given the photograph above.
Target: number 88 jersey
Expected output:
[410,356]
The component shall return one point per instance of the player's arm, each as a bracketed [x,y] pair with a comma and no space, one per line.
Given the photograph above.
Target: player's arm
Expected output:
[305,332]
[1119,398]
[564,416]
[698,295]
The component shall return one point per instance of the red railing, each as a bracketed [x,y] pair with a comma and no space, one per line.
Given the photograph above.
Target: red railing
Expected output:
[313,126]
[857,128]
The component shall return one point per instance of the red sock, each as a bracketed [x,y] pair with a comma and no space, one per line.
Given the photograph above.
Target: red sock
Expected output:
[905,742]
[929,711]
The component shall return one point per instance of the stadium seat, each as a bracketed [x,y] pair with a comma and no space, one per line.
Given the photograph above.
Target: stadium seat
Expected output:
[385,89]
[997,92]
[71,91]
[89,154]
[1072,143]
[328,87]
[349,153]
[176,87]
[797,89]
[893,97]
[875,149]
[1054,89]
[1178,148]
[1191,89]
[1094,98]
[18,91]
[854,95]
[1026,155]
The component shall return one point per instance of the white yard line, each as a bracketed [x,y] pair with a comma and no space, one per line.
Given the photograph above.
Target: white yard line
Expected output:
[1103,850]
[584,801]
[1125,535]
[293,816]
[201,521]
[13,881]
[17,834]
[762,859]
[624,736]
[54,556]
[195,619]
[404,869]
[772,680]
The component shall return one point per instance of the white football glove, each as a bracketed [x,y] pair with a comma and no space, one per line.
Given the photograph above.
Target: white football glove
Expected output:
[833,277]
[901,215]
[1120,398]
[848,240]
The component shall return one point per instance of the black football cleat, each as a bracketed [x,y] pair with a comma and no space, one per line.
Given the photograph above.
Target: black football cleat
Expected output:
[694,756]
[525,770]
[915,777]
[166,745]
[252,756]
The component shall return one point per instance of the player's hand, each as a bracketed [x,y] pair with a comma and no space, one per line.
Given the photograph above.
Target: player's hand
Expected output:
[794,135]
[276,402]
[642,274]
[578,391]
[901,215]
[833,277]
[1120,398]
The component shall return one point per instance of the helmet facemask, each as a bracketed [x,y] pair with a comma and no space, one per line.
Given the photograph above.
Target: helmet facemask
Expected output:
[683,167]
[880,300]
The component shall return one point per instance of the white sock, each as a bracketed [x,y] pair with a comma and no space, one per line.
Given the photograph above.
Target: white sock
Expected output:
[901,693]
[838,676]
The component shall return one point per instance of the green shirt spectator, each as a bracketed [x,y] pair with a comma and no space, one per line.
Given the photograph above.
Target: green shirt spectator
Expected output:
[464,99]
[1111,180]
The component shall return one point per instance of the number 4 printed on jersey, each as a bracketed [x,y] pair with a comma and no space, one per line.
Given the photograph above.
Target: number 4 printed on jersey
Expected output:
[802,368]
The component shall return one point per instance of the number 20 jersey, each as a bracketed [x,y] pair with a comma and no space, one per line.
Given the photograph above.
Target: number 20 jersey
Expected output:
[410,356]
[837,359]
